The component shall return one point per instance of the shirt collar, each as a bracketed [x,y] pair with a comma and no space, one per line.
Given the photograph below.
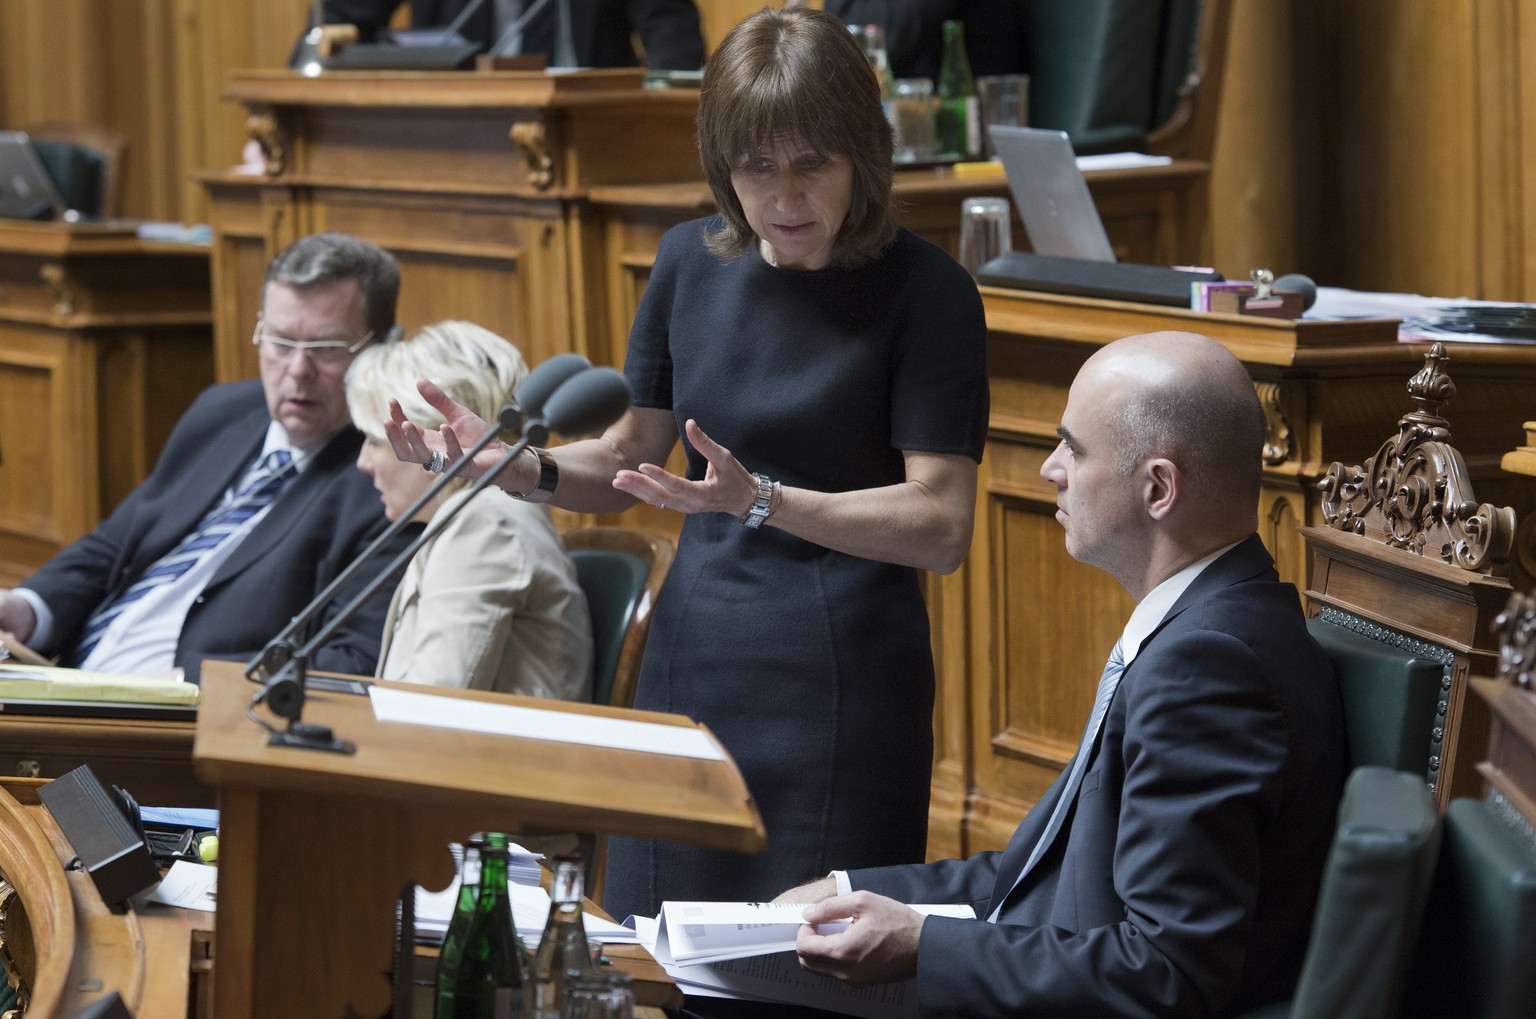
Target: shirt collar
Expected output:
[1150,610]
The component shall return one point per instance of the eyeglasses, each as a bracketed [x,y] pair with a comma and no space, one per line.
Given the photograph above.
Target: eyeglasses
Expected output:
[331,353]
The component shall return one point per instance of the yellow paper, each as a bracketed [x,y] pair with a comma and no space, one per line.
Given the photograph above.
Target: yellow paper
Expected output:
[48,683]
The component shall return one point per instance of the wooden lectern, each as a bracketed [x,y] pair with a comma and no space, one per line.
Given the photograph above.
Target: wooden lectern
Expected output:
[315,848]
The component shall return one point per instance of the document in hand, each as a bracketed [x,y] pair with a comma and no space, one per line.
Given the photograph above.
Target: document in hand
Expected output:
[747,950]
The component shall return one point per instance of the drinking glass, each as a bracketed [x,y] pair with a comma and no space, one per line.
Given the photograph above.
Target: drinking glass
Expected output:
[916,140]
[599,994]
[985,231]
[1004,100]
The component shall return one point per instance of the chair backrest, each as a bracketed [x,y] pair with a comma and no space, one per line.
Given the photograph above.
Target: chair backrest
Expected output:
[1477,951]
[621,571]
[85,163]
[1371,903]
[1127,74]
[1390,696]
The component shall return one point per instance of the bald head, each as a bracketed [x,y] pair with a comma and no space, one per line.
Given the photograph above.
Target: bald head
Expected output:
[1186,398]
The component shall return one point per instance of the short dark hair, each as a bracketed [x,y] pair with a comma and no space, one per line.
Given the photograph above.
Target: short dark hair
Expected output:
[328,257]
[798,73]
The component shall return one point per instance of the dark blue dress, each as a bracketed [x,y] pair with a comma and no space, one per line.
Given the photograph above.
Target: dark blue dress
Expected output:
[812,666]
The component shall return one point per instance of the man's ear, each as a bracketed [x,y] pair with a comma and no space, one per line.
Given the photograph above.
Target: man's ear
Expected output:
[1163,486]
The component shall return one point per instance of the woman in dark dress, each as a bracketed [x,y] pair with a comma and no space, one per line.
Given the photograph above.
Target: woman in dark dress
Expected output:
[826,371]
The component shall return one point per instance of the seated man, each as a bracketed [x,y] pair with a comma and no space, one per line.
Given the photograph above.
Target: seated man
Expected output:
[254,506]
[1172,869]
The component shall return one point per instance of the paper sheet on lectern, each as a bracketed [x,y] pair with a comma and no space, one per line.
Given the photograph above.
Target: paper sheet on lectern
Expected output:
[534,723]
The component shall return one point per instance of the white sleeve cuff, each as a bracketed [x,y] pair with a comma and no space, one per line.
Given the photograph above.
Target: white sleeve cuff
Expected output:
[44,628]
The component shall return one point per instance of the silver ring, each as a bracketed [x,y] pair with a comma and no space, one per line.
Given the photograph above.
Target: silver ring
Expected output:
[661,505]
[437,463]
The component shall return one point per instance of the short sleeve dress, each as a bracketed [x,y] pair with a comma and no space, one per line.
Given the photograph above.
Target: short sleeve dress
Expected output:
[812,666]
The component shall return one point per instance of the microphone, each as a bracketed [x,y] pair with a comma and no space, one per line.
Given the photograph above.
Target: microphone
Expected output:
[591,401]
[517,26]
[451,33]
[1302,285]
[584,399]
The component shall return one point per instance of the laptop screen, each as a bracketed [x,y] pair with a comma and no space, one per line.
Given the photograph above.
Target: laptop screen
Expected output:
[26,190]
[1053,200]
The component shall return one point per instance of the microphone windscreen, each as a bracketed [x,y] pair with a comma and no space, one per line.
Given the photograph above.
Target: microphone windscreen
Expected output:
[544,380]
[1302,285]
[588,402]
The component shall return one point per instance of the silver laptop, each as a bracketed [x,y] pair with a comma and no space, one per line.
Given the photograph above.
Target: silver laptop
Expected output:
[1049,190]
[26,190]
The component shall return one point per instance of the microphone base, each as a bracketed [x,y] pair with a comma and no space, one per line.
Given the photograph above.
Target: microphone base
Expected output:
[309,736]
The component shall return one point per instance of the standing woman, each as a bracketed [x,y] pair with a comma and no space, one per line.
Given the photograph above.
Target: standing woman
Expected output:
[826,371]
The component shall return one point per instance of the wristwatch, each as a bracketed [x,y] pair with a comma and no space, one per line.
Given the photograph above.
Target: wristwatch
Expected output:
[762,508]
[549,477]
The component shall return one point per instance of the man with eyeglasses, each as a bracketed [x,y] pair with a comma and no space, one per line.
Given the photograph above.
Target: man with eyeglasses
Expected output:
[254,506]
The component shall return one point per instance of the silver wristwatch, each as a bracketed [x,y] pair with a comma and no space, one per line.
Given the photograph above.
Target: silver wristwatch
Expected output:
[762,507]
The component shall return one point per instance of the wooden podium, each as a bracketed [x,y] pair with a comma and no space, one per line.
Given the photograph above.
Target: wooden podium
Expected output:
[317,847]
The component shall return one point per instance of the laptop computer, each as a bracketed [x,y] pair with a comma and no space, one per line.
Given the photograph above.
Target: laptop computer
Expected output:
[1072,253]
[26,190]
[1050,193]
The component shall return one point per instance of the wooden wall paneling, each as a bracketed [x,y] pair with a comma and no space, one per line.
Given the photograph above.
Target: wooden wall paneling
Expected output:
[42,421]
[1525,149]
[1498,109]
[1408,167]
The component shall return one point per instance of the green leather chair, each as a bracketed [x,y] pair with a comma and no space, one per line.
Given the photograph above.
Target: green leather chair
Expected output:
[85,163]
[621,571]
[1371,904]
[1111,72]
[1477,952]
[1391,696]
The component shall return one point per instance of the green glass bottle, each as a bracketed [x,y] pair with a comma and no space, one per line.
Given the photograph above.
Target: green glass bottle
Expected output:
[458,924]
[959,111]
[490,981]
[563,949]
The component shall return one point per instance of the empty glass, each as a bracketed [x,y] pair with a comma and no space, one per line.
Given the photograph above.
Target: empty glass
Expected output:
[599,994]
[985,231]
[913,122]
[1004,100]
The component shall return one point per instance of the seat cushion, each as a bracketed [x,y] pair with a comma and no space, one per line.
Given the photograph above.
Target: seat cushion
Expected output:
[1477,953]
[1374,888]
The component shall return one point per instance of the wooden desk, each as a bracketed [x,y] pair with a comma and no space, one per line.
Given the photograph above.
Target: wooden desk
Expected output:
[1017,670]
[315,847]
[83,950]
[152,759]
[104,340]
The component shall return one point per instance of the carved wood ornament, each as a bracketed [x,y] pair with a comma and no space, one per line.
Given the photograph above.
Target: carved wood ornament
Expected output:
[1415,492]
[1516,629]
[263,128]
[60,286]
[533,146]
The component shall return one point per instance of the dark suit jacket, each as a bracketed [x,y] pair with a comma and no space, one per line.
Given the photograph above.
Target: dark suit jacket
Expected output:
[668,29]
[1185,880]
[315,528]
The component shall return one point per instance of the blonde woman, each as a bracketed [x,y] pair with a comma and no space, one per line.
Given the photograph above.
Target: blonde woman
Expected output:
[491,601]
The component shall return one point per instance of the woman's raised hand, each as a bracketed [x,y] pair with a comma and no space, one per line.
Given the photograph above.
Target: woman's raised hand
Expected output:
[463,428]
[728,487]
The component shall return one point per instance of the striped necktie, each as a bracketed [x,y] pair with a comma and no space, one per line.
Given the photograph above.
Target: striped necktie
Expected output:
[1108,683]
[258,488]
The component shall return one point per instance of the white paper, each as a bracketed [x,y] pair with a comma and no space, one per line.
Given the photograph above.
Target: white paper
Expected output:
[412,708]
[1120,161]
[188,885]
[746,950]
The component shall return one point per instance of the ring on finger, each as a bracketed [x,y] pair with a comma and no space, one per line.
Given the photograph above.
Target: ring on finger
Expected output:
[437,464]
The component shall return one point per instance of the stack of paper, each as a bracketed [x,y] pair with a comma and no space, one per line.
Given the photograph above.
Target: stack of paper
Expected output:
[46,682]
[747,950]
